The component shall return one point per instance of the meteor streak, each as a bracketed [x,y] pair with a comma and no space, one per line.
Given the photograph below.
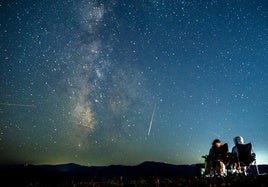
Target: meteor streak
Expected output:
[151,122]
[16,104]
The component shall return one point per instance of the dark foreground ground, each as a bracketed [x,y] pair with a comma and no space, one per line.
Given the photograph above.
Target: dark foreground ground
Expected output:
[261,181]
[144,175]
[255,181]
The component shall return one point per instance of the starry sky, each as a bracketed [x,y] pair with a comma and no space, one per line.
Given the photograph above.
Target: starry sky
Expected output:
[98,82]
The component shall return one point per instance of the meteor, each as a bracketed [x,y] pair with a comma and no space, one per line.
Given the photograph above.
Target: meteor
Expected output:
[151,122]
[17,104]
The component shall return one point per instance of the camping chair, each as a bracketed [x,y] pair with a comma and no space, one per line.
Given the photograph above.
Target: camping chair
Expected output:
[211,166]
[246,157]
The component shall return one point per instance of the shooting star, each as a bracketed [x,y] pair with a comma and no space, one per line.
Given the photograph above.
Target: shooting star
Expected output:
[151,122]
[16,104]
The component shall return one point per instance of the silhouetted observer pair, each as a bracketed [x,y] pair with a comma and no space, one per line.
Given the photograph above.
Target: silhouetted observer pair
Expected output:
[220,162]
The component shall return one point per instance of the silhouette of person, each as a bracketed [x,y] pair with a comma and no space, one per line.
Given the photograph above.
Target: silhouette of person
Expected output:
[217,158]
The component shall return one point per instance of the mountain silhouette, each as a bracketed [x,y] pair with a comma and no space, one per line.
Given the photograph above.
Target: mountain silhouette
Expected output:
[55,174]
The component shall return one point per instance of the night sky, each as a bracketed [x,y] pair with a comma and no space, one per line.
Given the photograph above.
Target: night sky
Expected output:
[122,82]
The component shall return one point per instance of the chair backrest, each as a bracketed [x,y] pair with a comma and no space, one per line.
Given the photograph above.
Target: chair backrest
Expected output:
[222,152]
[224,148]
[245,153]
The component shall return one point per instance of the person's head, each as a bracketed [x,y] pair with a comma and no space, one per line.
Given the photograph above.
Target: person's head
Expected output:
[238,140]
[216,143]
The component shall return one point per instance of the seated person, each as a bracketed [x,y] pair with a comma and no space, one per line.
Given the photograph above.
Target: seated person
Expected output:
[236,165]
[217,159]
